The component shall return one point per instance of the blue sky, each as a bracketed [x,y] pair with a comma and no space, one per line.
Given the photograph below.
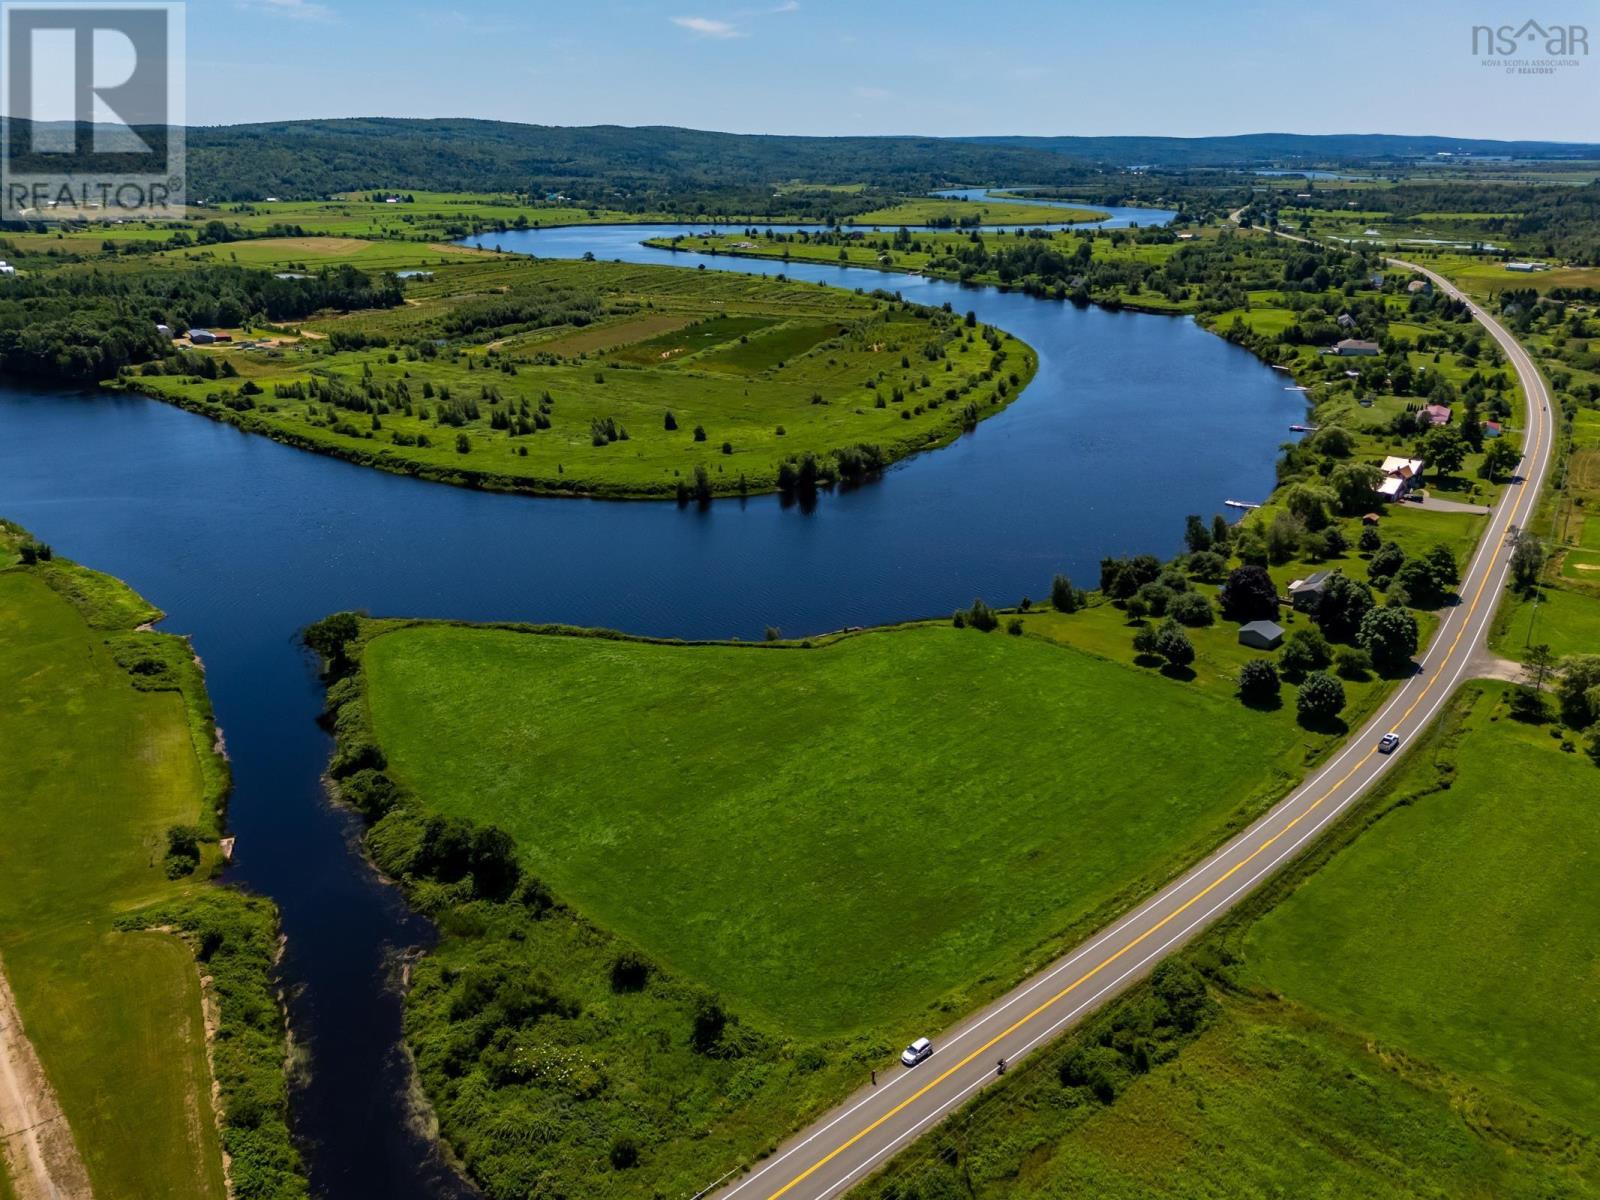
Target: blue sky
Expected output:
[889,66]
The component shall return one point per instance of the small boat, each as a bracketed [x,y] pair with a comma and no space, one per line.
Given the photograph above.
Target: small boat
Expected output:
[1240,504]
[1303,428]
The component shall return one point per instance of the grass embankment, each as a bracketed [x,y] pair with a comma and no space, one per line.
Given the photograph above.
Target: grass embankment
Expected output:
[614,380]
[1403,1014]
[938,808]
[112,744]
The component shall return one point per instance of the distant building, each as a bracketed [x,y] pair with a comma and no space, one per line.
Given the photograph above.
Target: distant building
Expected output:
[1355,348]
[1346,321]
[1400,476]
[1492,429]
[164,330]
[201,337]
[1304,593]
[1370,519]
[1420,287]
[6,268]
[1527,266]
[1437,414]
[1261,635]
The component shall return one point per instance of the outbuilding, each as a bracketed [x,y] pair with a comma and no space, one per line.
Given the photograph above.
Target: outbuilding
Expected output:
[1355,348]
[1261,635]
[1304,593]
[201,337]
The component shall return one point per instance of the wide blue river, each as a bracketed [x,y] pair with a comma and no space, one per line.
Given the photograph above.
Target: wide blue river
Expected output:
[1132,422]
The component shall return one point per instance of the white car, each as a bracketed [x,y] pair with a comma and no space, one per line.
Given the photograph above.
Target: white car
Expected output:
[1388,743]
[918,1050]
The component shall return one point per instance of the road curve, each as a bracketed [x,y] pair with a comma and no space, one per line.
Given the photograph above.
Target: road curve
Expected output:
[864,1132]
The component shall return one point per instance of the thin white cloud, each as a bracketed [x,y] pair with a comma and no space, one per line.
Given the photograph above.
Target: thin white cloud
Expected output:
[788,6]
[707,27]
[296,10]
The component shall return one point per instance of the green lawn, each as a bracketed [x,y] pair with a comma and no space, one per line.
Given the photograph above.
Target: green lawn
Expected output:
[1406,1014]
[931,805]
[101,771]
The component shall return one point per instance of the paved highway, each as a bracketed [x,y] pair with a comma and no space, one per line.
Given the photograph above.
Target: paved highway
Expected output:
[860,1135]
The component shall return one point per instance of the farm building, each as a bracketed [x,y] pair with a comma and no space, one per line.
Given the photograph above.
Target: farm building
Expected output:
[1261,635]
[201,337]
[1355,348]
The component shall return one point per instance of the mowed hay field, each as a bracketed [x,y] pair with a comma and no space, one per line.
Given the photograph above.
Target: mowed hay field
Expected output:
[1407,1014]
[837,837]
[93,774]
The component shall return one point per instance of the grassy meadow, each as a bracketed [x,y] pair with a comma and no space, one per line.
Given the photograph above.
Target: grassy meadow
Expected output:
[1401,1015]
[113,746]
[608,379]
[941,808]
[952,799]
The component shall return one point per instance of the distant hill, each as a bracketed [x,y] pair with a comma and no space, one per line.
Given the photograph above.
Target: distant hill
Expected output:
[593,163]
[1283,149]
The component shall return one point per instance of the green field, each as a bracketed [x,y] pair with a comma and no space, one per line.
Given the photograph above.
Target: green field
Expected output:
[97,769]
[114,1017]
[953,800]
[571,371]
[935,211]
[1404,1015]
[1464,928]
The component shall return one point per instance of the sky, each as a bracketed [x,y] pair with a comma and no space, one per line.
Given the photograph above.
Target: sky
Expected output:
[1198,67]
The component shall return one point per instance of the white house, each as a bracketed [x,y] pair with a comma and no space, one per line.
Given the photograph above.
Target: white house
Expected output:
[1400,476]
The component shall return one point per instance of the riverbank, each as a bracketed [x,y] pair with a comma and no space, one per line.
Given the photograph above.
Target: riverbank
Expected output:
[94,894]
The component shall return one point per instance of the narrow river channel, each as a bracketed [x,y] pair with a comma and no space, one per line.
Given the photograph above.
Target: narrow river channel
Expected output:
[1132,422]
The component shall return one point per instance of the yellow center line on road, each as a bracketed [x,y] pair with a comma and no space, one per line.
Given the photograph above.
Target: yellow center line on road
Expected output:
[1312,807]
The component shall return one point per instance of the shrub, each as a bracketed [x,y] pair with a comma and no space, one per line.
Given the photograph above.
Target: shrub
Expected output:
[981,617]
[1192,609]
[1321,698]
[183,851]
[1014,626]
[1174,645]
[671,422]
[1305,650]
[1063,596]
[1385,563]
[1352,664]
[630,971]
[624,1153]
[1258,682]
[1370,539]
